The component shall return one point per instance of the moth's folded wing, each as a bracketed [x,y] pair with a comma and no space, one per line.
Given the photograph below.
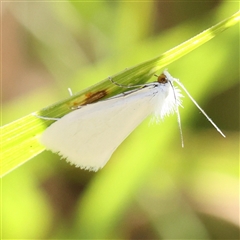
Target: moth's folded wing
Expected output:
[87,137]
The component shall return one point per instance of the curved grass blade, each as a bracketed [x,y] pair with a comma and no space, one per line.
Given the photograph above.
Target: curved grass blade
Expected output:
[19,139]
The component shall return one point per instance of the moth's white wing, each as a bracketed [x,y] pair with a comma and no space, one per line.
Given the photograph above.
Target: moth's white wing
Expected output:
[87,137]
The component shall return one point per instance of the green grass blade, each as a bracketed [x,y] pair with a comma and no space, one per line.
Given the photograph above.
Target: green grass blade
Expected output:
[19,139]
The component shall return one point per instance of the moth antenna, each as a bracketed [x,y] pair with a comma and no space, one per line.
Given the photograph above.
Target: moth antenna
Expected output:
[178,115]
[125,86]
[180,125]
[196,104]
[118,84]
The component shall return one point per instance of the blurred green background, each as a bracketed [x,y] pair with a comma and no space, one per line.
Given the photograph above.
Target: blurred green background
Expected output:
[151,188]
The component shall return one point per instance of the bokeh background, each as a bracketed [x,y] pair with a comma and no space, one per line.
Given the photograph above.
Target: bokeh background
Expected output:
[189,193]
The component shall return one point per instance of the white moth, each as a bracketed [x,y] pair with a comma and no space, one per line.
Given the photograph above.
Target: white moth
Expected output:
[88,136]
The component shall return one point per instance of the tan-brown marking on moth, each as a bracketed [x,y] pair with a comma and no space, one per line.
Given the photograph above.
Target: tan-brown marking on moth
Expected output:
[89,98]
